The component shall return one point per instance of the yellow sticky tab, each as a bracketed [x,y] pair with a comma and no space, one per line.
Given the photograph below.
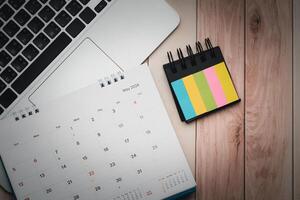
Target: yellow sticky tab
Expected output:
[226,82]
[195,97]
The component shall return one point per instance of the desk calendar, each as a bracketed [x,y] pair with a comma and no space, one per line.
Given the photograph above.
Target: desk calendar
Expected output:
[110,141]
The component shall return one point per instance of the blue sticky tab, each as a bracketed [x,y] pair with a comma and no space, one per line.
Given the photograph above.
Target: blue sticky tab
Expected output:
[183,99]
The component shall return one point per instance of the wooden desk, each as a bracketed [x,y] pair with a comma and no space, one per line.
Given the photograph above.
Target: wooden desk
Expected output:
[245,151]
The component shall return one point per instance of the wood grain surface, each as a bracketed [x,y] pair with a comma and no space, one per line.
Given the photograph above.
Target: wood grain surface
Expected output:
[220,136]
[268,99]
[296,99]
[245,151]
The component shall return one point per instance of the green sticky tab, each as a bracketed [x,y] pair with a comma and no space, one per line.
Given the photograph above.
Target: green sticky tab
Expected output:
[205,91]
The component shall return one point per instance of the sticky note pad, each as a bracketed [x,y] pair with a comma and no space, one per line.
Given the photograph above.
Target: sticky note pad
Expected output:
[200,82]
[204,91]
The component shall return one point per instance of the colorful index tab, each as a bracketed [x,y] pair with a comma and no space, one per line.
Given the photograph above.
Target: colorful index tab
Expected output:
[204,91]
[183,99]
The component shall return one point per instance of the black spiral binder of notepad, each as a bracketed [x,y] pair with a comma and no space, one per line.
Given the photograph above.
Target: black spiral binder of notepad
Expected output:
[191,65]
[194,62]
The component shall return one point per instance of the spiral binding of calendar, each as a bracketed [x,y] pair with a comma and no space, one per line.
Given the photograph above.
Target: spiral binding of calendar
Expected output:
[25,113]
[191,56]
[114,78]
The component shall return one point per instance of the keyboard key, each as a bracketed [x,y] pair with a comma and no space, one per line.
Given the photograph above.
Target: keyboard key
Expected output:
[1,23]
[63,18]
[16,4]
[57,4]
[8,75]
[84,2]
[75,28]
[73,7]
[11,28]
[46,13]
[2,86]
[4,59]
[100,6]
[33,6]
[30,52]
[41,41]
[41,63]
[35,25]
[14,47]
[22,17]
[24,36]
[52,30]
[6,12]
[87,15]
[3,39]
[19,63]
[7,98]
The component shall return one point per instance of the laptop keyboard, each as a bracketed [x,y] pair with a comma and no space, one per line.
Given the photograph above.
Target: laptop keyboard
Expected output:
[33,33]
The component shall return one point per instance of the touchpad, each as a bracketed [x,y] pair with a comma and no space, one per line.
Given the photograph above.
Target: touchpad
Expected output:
[84,66]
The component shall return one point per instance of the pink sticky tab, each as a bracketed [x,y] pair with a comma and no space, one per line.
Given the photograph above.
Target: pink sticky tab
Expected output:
[215,86]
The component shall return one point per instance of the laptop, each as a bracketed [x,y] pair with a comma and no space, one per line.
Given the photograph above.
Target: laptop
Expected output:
[49,48]
[52,47]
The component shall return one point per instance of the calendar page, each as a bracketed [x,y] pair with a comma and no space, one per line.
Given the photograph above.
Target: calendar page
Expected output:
[109,141]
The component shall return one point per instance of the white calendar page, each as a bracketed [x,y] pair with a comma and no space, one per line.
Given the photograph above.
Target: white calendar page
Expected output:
[109,143]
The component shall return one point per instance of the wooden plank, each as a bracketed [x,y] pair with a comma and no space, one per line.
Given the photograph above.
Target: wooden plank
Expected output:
[268,100]
[296,100]
[184,34]
[4,195]
[220,136]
